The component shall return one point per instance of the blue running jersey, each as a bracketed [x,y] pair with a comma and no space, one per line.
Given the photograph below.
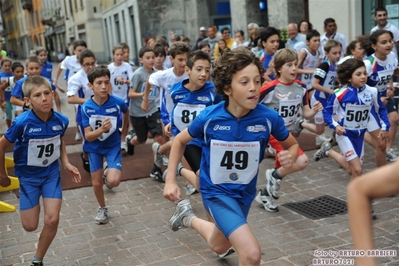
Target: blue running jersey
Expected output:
[93,116]
[37,143]
[233,148]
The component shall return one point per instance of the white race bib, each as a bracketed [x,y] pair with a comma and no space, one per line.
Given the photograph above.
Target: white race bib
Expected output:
[43,152]
[288,110]
[184,114]
[234,162]
[356,117]
[384,77]
[329,81]
[307,79]
[96,121]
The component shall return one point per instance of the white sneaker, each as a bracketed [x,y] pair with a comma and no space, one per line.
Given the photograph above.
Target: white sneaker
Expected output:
[102,215]
[390,156]
[78,136]
[321,139]
[123,145]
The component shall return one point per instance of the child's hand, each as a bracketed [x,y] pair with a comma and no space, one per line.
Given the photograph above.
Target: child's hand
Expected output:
[391,92]
[384,136]
[144,105]
[107,124]
[384,100]
[168,130]
[5,181]
[285,158]
[317,107]
[73,172]
[61,89]
[4,105]
[127,82]
[171,191]
[340,130]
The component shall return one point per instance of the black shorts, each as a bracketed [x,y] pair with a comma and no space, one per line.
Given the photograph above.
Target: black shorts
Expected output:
[143,125]
[390,106]
[193,153]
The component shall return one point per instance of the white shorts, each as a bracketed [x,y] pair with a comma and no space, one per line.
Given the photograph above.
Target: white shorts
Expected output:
[373,123]
[351,148]
[318,117]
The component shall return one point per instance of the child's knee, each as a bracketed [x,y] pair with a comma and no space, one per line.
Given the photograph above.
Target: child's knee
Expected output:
[51,221]
[30,226]
[251,257]
[302,161]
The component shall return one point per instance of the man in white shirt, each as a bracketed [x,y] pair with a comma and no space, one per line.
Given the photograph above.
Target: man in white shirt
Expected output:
[381,16]
[330,32]
[295,40]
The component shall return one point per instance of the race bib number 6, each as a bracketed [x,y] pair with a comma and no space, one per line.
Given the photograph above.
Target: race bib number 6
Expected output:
[234,162]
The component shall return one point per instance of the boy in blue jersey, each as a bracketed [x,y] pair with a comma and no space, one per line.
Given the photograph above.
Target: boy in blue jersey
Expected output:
[102,136]
[38,144]
[190,97]
[5,76]
[234,135]
[34,68]
[47,68]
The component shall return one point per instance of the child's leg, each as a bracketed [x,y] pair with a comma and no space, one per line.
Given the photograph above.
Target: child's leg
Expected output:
[393,120]
[57,100]
[52,209]
[96,169]
[380,148]
[9,108]
[114,167]
[379,183]
[246,246]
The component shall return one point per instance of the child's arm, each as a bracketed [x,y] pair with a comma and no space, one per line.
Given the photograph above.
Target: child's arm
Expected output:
[76,100]
[301,57]
[319,75]
[171,190]
[309,113]
[316,85]
[291,148]
[133,94]
[379,183]
[71,170]
[57,75]
[92,135]
[380,108]
[4,179]
[144,104]
[15,101]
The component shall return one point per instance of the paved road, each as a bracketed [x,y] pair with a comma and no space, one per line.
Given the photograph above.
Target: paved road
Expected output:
[138,233]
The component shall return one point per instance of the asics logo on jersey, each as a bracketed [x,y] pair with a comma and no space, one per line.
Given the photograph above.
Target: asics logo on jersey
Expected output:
[35,130]
[180,97]
[217,127]
[111,110]
[57,127]
[90,111]
[203,98]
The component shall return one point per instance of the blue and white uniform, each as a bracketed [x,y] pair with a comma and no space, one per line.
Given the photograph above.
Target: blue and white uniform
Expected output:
[188,105]
[36,153]
[232,150]
[108,144]
[77,86]
[326,74]
[352,106]
[379,74]
[71,63]
[47,68]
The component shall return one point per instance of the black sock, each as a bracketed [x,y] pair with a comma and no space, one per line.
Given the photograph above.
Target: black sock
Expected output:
[276,175]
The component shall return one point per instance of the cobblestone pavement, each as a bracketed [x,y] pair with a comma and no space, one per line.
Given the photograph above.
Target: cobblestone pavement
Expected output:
[138,232]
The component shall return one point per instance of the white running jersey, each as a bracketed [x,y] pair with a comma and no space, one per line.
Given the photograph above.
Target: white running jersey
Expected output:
[125,72]
[310,62]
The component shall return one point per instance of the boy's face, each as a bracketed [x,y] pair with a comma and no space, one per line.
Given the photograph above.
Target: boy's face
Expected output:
[18,72]
[159,59]
[126,55]
[118,56]
[41,99]
[334,54]
[42,57]
[148,60]
[33,69]
[288,72]
[101,86]
[245,88]
[6,67]
[314,43]
[179,62]
[271,44]
[199,73]
[88,63]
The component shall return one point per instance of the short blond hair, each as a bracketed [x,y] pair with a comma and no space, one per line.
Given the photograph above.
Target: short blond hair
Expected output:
[34,82]
[283,56]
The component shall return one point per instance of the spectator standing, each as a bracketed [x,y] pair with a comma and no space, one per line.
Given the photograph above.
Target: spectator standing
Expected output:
[330,32]
[212,39]
[296,41]
[202,36]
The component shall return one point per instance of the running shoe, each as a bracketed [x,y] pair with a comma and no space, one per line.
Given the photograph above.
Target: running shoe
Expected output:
[321,139]
[102,215]
[158,158]
[86,163]
[272,184]
[321,153]
[190,189]
[156,173]
[266,200]
[298,128]
[183,209]
[228,252]
[36,263]
[129,145]
[390,156]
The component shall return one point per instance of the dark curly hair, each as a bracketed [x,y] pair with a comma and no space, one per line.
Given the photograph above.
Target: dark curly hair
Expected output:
[231,62]
[346,69]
